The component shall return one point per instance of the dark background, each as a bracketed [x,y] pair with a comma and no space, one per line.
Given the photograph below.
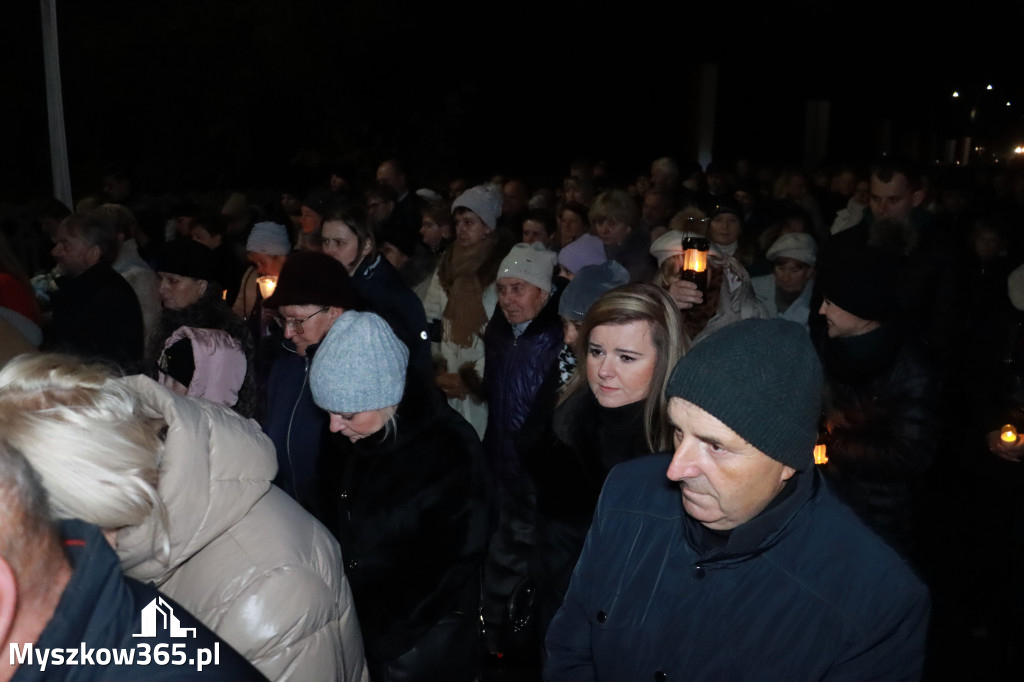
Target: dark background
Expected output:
[192,95]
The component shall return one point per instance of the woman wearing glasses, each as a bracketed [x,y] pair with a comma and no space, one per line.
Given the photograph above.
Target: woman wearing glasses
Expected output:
[312,292]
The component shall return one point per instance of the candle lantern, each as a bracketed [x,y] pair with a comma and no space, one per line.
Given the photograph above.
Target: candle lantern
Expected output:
[267,285]
[695,261]
[1008,434]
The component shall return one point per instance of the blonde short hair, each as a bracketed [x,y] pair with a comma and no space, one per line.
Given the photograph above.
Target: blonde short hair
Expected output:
[87,435]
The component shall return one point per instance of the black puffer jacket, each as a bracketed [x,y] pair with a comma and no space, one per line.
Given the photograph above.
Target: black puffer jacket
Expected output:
[514,372]
[413,524]
[882,405]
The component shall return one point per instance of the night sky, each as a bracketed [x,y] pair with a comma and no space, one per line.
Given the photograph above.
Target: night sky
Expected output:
[195,95]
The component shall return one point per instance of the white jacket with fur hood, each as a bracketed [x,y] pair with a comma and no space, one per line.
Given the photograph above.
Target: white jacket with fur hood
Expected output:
[245,558]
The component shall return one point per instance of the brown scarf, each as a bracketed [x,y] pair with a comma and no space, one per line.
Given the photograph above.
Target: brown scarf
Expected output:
[464,273]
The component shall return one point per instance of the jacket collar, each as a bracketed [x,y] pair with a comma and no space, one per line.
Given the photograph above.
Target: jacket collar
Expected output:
[760,533]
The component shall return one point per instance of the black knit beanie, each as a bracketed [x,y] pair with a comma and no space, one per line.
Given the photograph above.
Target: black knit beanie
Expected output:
[313,278]
[763,380]
[861,282]
[188,258]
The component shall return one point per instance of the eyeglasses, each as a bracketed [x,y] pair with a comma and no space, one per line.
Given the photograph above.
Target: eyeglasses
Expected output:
[294,324]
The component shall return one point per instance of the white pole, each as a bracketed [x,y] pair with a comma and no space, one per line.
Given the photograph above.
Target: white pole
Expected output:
[55,105]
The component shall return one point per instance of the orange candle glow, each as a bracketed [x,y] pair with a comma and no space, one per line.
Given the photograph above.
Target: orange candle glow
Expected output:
[1008,434]
[695,260]
[267,285]
[819,454]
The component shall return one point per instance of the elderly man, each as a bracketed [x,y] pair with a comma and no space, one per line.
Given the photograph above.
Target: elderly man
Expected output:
[96,313]
[521,342]
[64,602]
[743,565]
[786,292]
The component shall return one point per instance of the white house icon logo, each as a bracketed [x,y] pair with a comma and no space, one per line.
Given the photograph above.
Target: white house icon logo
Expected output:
[158,607]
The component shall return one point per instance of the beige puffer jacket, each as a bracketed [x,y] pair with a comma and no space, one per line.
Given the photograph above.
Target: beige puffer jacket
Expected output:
[245,558]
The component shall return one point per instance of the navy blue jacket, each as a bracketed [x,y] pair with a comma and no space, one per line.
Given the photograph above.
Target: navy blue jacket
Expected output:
[802,592]
[102,609]
[387,294]
[297,427]
[514,372]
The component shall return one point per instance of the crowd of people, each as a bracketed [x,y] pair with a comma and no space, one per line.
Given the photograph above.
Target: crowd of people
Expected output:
[669,426]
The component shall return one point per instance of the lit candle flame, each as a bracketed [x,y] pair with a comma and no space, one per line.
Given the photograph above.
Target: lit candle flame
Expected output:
[695,260]
[1008,434]
[819,454]
[267,285]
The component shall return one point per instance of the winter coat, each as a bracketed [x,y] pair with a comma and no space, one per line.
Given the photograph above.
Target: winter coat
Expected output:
[569,466]
[467,361]
[882,403]
[516,369]
[799,311]
[96,315]
[245,558]
[143,281]
[804,591]
[296,425]
[102,609]
[413,523]
[634,255]
[219,365]
[382,287]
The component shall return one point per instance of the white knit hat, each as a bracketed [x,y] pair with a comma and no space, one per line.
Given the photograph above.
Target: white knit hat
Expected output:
[531,263]
[796,245]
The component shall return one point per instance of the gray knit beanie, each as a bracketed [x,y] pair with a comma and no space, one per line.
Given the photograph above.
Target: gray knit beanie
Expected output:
[269,238]
[532,263]
[484,200]
[763,380]
[359,366]
[589,284]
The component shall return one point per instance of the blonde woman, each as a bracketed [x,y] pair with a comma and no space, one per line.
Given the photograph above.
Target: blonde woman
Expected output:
[182,490]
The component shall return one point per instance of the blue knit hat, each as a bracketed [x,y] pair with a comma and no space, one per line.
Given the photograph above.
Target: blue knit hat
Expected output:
[359,366]
[269,238]
[589,284]
[763,380]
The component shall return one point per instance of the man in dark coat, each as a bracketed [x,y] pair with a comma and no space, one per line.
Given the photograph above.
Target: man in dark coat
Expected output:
[882,397]
[68,613]
[927,290]
[96,313]
[742,565]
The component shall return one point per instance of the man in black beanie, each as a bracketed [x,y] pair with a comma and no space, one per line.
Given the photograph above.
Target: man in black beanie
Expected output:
[742,565]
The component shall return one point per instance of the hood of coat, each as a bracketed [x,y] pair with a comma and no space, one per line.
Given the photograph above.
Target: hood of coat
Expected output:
[216,465]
